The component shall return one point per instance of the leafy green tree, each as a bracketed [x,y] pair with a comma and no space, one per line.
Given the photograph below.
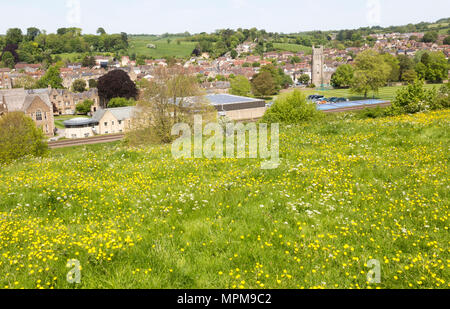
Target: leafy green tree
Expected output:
[409,76]
[343,76]
[304,79]
[371,73]
[442,99]
[281,80]
[432,67]
[30,52]
[291,108]
[12,48]
[405,64]
[92,83]
[234,54]
[101,31]
[140,60]
[394,63]
[51,78]
[263,84]
[447,40]
[437,67]
[240,85]
[84,107]
[32,33]
[19,137]
[295,59]
[8,60]
[79,85]
[14,36]
[88,61]
[430,37]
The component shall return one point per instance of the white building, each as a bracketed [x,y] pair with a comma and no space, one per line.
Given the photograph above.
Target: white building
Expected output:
[104,121]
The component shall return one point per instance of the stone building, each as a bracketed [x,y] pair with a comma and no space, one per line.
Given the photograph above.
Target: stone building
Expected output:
[35,105]
[318,59]
[320,73]
[64,101]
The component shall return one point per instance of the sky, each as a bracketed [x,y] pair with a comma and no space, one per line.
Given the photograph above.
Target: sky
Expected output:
[175,16]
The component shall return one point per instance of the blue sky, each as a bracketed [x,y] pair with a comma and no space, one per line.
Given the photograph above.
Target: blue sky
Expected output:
[159,16]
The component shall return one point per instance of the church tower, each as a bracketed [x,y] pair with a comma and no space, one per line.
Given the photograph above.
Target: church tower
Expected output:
[317,66]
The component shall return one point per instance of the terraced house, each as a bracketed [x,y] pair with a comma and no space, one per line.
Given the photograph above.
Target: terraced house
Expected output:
[65,101]
[35,105]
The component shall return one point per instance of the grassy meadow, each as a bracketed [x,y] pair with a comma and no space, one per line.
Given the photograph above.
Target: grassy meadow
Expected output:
[385,93]
[347,191]
[138,45]
[295,48]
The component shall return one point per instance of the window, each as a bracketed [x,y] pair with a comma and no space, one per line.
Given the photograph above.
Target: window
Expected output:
[106,124]
[112,123]
[120,122]
[38,115]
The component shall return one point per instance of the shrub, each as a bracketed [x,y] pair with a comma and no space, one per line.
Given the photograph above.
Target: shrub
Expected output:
[121,102]
[291,108]
[413,98]
[84,107]
[19,137]
[442,99]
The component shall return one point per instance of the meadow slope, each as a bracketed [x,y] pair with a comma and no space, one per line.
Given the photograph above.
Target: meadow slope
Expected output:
[347,191]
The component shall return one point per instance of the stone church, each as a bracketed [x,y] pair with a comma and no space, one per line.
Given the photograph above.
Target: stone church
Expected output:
[320,74]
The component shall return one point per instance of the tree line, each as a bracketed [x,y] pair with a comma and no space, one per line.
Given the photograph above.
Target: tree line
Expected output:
[372,70]
[37,46]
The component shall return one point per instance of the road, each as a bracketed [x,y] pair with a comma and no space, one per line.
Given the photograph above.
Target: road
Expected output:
[86,141]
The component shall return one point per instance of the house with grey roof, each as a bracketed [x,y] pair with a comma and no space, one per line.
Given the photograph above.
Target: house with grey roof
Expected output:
[104,121]
[114,120]
[34,104]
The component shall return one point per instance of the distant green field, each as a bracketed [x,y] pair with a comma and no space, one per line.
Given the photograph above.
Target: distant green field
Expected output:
[292,47]
[138,45]
[385,93]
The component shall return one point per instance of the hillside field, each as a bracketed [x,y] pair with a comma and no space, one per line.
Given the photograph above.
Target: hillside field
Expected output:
[295,48]
[347,191]
[138,45]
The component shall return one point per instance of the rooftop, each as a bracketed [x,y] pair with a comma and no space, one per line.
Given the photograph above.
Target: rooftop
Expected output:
[223,99]
[75,122]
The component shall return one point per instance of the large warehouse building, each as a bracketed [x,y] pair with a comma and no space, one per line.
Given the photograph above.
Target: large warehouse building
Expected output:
[238,108]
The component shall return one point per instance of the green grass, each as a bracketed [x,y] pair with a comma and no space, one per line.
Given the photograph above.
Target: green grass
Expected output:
[138,45]
[295,48]
[347,191]
[59,120]
[385,93]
